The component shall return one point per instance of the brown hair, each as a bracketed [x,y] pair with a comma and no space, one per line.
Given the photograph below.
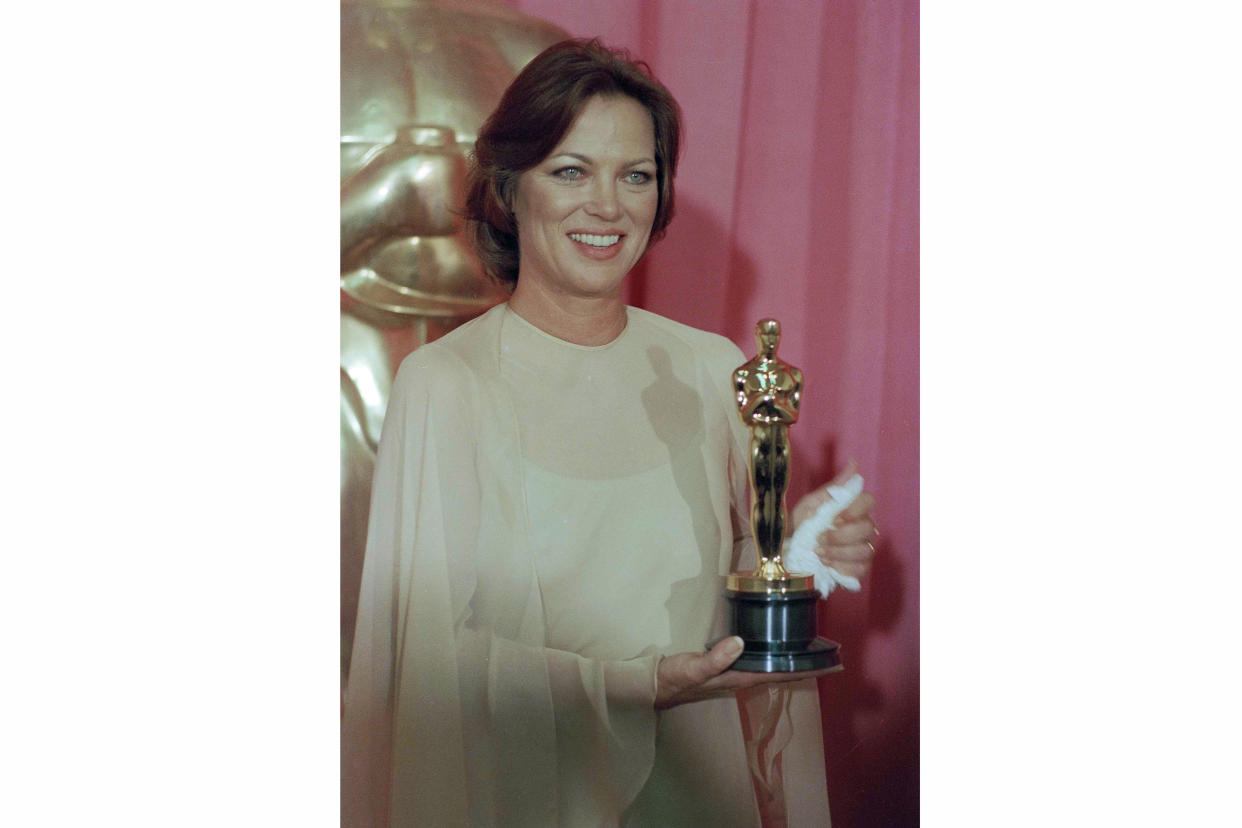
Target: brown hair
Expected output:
[534,114]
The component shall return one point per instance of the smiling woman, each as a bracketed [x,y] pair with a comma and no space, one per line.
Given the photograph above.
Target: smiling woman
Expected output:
[584,214]
[534,121]
[560,487]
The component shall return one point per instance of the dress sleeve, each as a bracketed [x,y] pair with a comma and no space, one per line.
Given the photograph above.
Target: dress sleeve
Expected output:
[454,711]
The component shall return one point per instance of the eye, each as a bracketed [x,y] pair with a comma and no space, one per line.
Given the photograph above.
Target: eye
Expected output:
[638,177]
[568,173]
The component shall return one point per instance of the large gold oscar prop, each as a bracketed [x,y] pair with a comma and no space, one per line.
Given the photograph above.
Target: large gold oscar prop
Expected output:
[418,77]
[772,609]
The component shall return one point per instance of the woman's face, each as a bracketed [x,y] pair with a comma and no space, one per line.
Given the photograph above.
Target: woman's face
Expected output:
[584,213]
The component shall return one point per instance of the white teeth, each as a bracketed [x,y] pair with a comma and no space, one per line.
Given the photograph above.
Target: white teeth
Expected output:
[595,241]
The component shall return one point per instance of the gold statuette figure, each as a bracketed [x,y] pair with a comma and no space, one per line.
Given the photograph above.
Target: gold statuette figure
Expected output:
[769,392]
[771,609]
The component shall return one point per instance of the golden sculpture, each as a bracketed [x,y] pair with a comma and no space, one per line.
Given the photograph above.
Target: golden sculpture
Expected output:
[418,77]
[769,392]
[772,609]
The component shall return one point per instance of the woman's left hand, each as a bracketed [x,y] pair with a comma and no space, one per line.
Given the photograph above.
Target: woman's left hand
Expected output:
[848,547]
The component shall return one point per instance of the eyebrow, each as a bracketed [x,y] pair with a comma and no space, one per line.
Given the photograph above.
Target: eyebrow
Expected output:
[588,160]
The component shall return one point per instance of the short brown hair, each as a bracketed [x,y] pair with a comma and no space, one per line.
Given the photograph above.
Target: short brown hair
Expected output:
[534,114]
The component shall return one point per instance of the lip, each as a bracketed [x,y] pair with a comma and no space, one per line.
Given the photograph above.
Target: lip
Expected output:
[590,251]
[605,232]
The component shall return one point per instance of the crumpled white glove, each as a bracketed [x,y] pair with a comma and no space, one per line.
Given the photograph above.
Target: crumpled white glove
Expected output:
[798,554]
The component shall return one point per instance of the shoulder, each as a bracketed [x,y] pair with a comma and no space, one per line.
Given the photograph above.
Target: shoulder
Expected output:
[452,363]
[710,347]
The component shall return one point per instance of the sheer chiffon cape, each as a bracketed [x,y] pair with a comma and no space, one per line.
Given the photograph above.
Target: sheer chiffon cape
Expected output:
[547,520]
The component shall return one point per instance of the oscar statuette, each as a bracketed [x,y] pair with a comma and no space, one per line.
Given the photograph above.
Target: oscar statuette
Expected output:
[772,609]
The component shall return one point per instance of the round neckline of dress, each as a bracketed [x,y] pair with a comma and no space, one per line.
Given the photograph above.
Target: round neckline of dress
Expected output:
[525,323]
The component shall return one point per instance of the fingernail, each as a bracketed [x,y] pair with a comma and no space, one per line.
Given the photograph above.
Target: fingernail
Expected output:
[734,646]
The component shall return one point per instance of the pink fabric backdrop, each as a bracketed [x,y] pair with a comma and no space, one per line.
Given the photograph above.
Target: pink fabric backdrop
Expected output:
[798,198]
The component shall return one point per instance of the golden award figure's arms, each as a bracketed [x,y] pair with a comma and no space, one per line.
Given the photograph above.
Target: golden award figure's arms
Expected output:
[768,391]
[795,397]
[740,378]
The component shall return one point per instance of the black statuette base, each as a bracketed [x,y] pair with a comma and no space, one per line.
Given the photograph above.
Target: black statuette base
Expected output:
[779,632]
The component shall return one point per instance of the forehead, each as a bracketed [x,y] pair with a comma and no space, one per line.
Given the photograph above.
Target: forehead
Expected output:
[611,126]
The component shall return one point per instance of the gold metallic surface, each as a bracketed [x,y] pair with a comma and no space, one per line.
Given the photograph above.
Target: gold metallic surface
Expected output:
[754,582]
[418,77]
[769,392]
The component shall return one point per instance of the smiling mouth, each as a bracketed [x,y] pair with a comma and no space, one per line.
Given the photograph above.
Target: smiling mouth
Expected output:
[594,240]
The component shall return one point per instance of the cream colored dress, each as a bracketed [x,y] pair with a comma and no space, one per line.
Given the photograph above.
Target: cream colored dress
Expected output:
[548,519]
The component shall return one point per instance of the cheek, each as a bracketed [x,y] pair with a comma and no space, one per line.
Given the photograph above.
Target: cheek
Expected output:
[545,205]
[530,204]
[648,212]
[538,217]
[641,205]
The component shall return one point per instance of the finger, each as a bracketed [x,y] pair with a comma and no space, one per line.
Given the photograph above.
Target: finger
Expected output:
[849,553]
[852,569]
[717,660]
[854,531]
[859,508]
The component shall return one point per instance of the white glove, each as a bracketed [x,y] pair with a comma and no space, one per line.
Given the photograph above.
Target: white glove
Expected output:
[799,555]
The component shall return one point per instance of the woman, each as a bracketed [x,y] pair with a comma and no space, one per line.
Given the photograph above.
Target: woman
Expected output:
[561,484]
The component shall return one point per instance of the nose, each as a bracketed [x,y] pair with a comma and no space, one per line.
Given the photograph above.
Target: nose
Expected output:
[604,204]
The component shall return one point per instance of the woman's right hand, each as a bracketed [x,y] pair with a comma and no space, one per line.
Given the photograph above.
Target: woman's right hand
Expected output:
[691,677]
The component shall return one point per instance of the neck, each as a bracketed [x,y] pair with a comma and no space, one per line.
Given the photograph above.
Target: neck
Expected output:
[594,320]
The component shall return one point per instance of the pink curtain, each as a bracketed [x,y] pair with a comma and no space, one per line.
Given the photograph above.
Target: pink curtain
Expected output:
[798,198]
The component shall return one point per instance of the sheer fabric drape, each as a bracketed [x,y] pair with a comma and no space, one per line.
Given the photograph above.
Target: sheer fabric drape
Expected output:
[547,521]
